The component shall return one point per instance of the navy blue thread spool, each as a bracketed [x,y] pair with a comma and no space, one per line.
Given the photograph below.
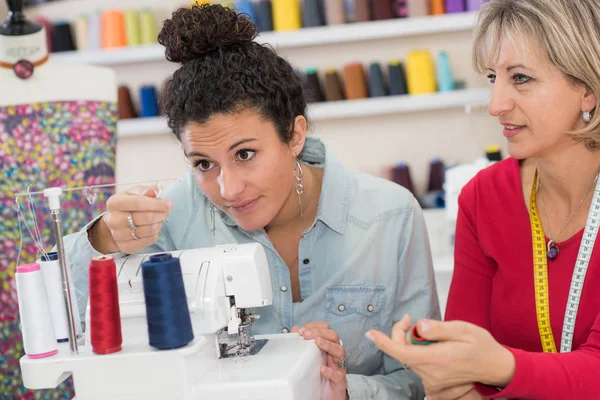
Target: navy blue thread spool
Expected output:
[377,87]
[167,312]
[264,15]
[148,102]
[397,78]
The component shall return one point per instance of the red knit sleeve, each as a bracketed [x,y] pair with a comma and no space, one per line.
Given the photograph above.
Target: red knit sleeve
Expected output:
[574,375]
[471,287]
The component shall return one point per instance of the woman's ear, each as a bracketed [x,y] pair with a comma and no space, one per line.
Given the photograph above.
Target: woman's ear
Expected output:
[298,135]
[588,102]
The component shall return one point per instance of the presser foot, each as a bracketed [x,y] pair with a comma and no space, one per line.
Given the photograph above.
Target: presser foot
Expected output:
[230,350]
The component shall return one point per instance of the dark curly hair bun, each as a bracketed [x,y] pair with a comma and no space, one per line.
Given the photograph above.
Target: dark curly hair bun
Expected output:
[193,32]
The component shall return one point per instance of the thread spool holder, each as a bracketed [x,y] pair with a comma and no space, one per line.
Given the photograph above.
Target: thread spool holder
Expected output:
[53,196]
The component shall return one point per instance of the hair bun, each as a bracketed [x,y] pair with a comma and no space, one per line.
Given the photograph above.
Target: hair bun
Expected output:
[192,32]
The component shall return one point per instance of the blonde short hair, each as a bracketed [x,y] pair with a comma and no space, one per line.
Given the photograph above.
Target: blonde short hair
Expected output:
[567,31]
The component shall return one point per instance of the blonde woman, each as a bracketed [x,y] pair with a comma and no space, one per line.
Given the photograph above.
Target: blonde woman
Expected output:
[523,306]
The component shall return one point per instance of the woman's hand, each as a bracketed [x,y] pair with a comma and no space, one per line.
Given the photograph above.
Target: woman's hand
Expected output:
[335,370]
[464,354]
[132,221]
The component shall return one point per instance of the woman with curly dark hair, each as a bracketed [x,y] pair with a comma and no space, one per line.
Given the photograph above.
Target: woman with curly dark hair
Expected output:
[347,251]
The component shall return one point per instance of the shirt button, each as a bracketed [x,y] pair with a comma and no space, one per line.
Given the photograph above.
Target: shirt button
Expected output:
[341,307]
[370,308]
[283,288]
[285,330]
[306,261]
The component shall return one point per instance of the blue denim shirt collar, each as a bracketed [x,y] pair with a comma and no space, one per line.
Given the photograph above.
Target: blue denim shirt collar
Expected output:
[334,202]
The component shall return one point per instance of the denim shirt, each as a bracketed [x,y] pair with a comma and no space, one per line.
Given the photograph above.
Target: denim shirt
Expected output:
[364,263]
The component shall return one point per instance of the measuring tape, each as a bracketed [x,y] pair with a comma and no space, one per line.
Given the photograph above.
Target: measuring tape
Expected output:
[540,266]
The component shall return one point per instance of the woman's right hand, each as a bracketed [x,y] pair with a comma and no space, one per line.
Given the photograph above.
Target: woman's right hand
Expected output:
[113,233]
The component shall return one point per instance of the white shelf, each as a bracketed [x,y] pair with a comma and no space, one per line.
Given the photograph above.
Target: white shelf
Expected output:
[324,35]
[342,109]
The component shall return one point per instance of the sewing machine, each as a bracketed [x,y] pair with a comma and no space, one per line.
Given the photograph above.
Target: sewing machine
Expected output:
[222,284]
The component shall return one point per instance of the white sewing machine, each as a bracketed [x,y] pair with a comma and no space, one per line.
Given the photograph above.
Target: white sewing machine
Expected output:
[222,284]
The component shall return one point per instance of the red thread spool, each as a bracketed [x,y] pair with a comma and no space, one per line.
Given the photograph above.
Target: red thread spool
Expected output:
[105,317]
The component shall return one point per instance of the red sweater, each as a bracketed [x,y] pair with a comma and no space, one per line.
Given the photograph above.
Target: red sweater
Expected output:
[492,287]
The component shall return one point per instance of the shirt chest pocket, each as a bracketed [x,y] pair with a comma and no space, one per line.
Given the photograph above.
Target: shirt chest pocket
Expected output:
[353,310]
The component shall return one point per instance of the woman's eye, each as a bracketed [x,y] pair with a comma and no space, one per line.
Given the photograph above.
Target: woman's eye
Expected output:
[245,155]
[203,165]
[521,79]
[491,78]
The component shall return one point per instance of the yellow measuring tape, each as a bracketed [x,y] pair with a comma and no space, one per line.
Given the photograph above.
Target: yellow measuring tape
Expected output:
[540,268]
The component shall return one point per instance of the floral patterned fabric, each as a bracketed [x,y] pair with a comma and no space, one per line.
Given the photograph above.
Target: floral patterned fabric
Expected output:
[68,144]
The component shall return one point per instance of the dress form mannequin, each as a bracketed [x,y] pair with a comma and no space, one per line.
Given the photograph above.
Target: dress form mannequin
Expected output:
[57,128]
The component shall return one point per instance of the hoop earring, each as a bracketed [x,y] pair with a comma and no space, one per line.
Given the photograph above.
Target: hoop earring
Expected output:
[587,117]
[213,208]
[299,174]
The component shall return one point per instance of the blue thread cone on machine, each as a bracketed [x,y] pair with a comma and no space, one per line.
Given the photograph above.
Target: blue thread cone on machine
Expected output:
[167,312]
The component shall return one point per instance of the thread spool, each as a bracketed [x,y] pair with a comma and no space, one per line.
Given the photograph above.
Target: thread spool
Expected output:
[62,38]
[246,8]
[148,101]
[493,153]
[474,5]
[80,30]
[401,8]
[48,29]
[444,73]
[312,13]
[376,82]
[383,9]
[335,12]
[397,78]
[420,72]
[94,39]
[39,339]
[436,175]
[264,14]
[418,8]
[437,7]
[113,29]
[334,90]
[363,11]
[350,10]
[105,316]
[313,86]
[167,313]
[455,6]
[125,103]
[148,34]
[286,15]
[355,81]
[132,28]
[54,291]
[401,175]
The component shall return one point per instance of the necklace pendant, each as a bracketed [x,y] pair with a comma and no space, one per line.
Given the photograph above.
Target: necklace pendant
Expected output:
[553,250]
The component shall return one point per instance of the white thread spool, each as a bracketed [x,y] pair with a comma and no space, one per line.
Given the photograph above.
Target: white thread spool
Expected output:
[39,339]
[56,297]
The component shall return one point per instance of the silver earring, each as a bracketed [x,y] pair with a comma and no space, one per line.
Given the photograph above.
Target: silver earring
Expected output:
[299,174]
[213,208]
[587,117]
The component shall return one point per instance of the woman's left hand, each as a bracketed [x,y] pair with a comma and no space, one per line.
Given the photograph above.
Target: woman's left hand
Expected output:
[464,353]
[335,370]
